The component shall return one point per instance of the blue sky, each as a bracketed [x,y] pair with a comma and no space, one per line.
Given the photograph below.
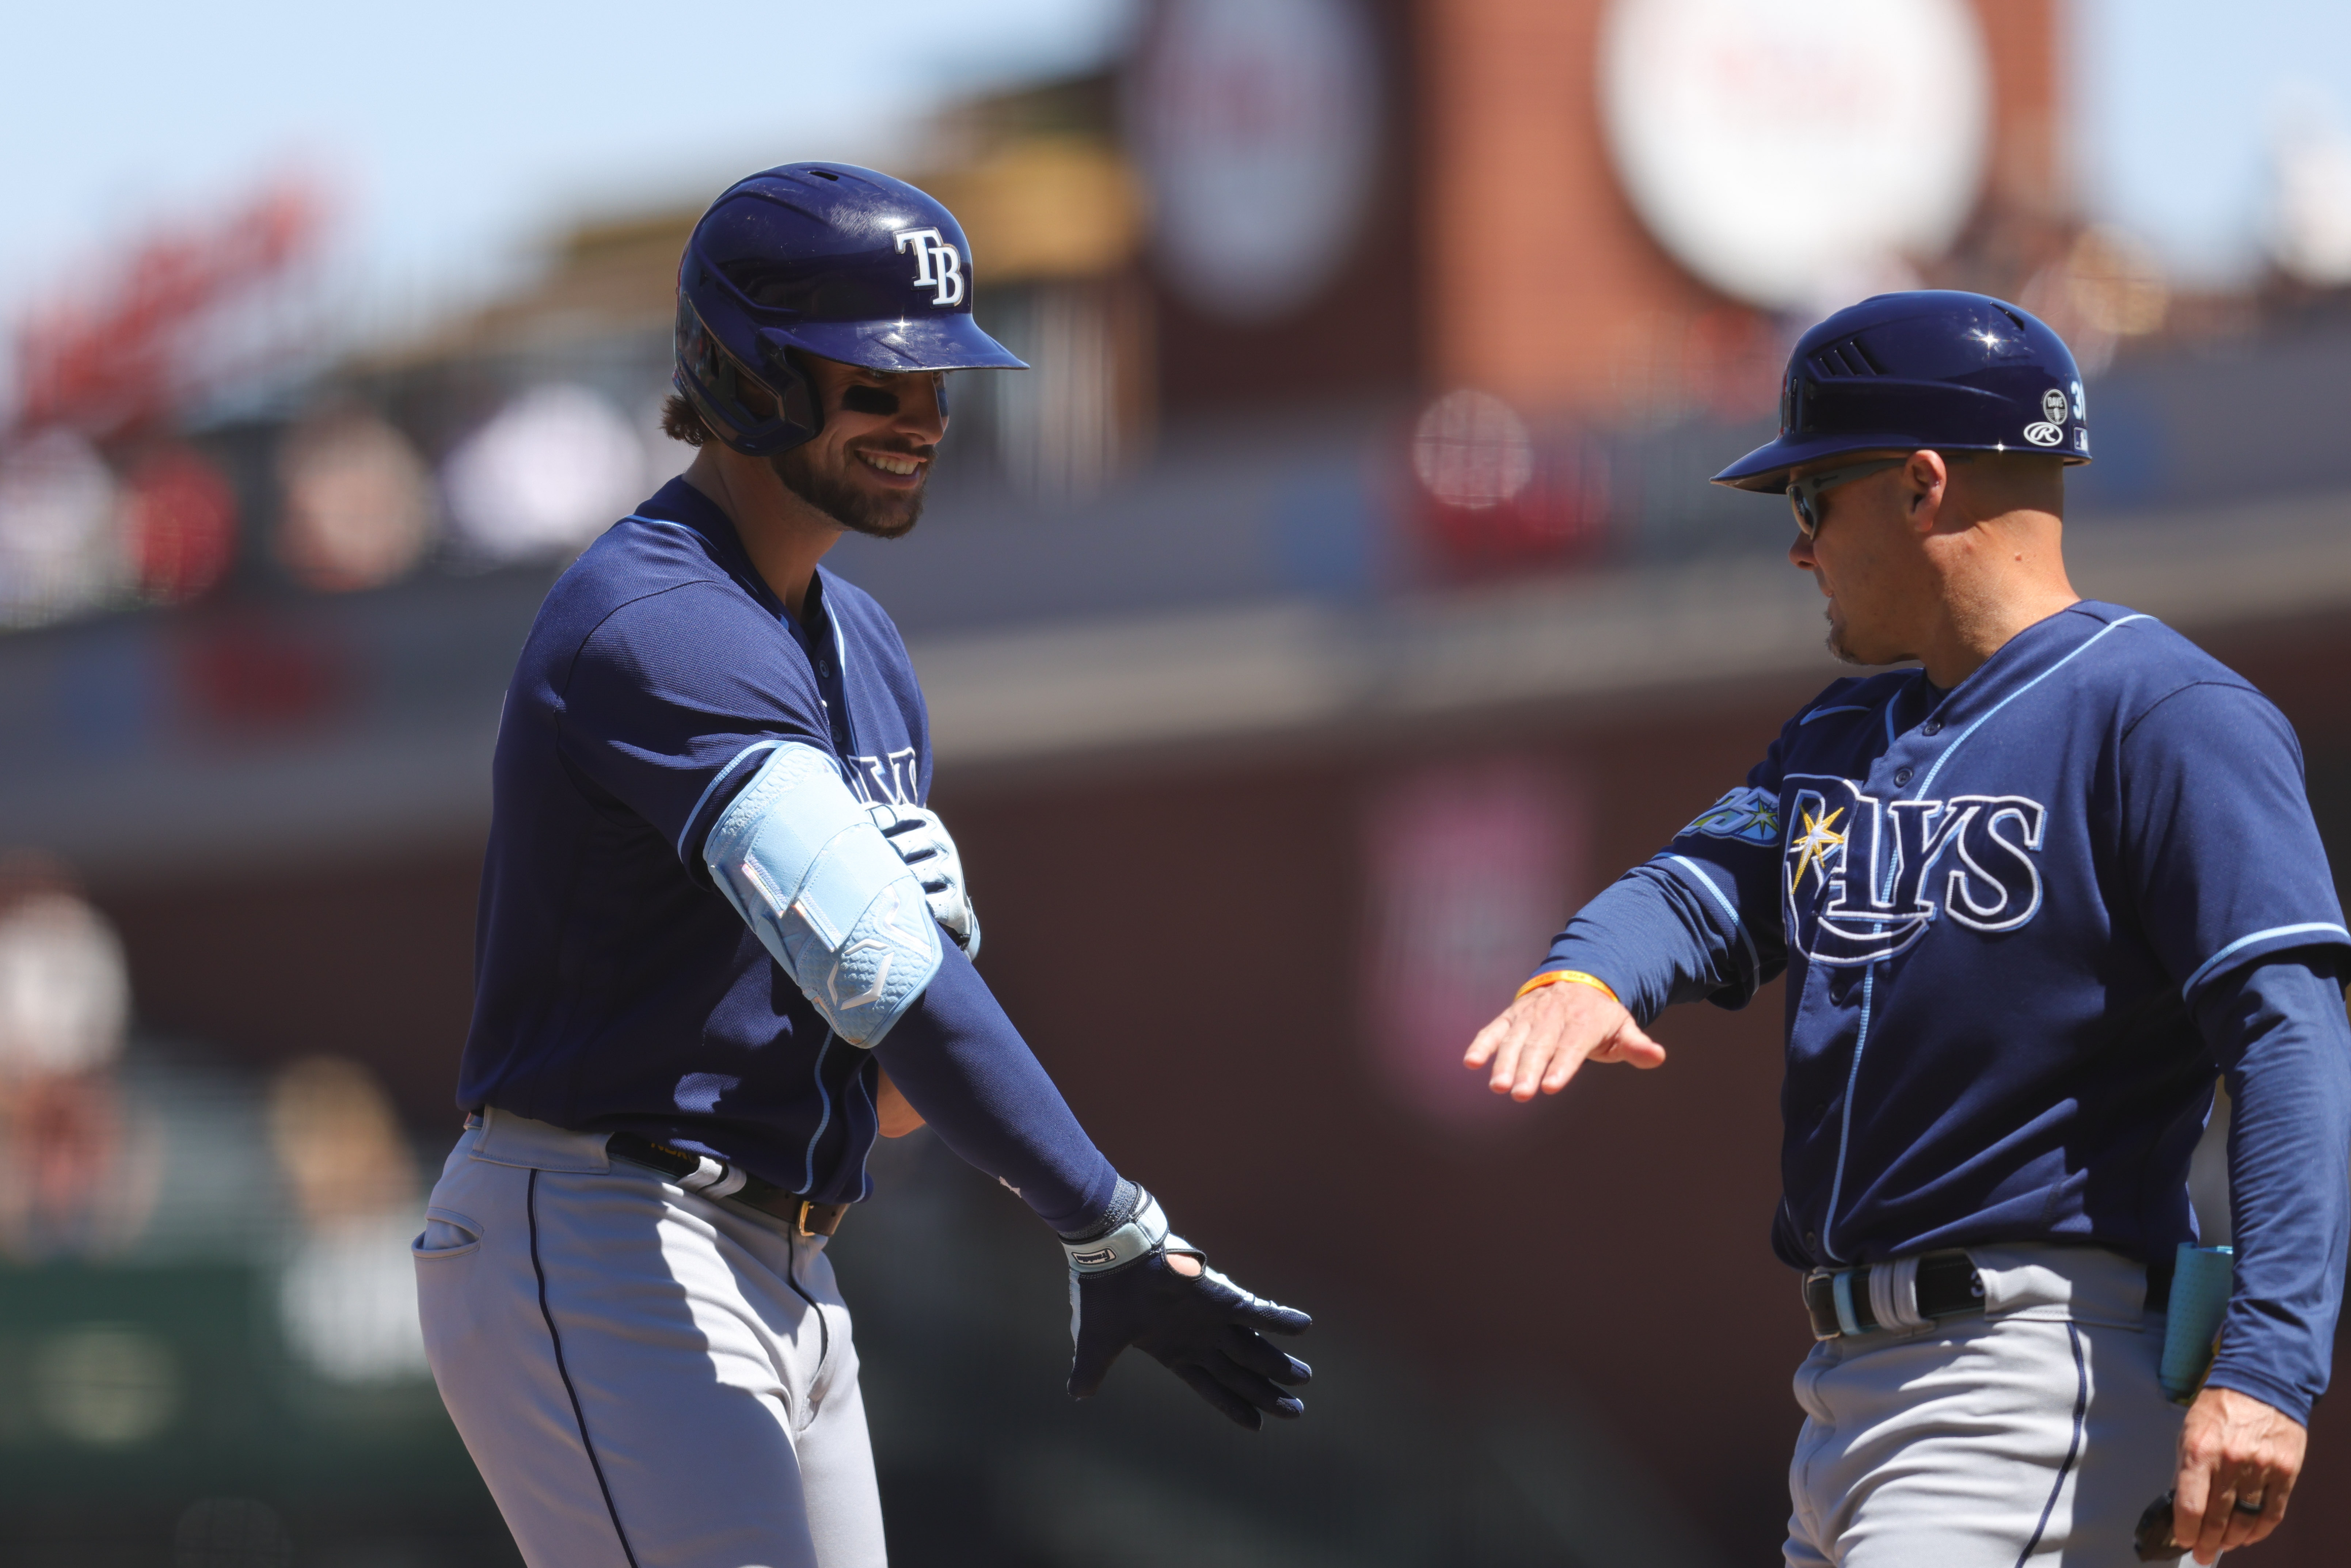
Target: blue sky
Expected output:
[2173,104]
[456,134]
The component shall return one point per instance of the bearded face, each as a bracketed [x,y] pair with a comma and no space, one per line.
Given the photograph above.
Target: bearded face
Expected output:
[835,484]
[869,465]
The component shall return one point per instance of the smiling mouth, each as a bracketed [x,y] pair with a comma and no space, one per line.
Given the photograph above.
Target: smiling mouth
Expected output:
[892,462]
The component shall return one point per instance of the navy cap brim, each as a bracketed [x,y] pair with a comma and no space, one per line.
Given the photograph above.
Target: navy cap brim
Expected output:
[1766,469]
[950,340]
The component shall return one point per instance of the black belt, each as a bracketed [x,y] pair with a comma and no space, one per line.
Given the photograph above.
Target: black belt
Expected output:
[736,1185]
[1947,1288]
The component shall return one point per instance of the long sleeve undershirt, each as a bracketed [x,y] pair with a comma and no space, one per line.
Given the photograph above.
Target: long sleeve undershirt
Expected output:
[2279,1033]
[2278,1030]
[958,1061]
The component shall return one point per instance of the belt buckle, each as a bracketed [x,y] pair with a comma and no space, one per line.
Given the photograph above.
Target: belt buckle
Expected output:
[800,1216]
[1824,1277]
[1840,1282]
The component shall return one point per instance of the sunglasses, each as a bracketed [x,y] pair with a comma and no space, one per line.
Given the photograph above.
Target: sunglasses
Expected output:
[1804,494]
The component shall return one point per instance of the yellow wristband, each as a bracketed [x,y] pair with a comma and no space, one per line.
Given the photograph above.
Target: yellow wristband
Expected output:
[1570,977]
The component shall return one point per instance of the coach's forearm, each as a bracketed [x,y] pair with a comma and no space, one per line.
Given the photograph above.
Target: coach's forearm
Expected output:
[1652,939]
[959,1061]
[2279,1031]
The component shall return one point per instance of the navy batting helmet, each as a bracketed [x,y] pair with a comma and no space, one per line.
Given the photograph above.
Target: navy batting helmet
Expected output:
[818,258]
[1932,368]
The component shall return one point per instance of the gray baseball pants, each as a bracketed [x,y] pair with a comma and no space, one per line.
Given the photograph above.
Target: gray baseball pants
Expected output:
[646,1378]
[2033,1433]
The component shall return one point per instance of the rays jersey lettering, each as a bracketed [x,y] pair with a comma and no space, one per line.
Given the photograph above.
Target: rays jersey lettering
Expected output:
[1863,879]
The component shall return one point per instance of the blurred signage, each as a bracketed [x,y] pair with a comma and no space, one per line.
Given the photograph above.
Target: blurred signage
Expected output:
[1046,206]
[1797,154]
[77,1171]
[181,522]
[359,504]
[252,676]
[2310,196]
[121,358]
[60,549]
[73,539]
[1495,498]
[547,474]
[1472,866]
[1258,124]
[2108,286]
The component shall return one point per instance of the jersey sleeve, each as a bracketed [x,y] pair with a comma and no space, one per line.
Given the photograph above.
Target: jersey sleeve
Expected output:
[2278,1031]
[1699,919]
[2223,859]
[675,699]
[959,1061]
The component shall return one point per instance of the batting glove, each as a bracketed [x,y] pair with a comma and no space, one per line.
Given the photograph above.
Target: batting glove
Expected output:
[922,842]
[1203,1328]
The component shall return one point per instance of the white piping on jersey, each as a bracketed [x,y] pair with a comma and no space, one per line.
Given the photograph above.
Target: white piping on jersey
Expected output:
[2306,928]
[807,1179]
[1860,1040]
[864,1175]
[1929,782]
[841,651]
[1824,712]
[1844,1122]
[1754,964]
[841,657]
[720,778]
[1869,977]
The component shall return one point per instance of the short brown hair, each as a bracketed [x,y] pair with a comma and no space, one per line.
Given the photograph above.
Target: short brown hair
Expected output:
[681,421]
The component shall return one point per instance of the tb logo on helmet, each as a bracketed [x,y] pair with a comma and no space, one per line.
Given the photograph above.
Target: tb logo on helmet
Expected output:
[937,263]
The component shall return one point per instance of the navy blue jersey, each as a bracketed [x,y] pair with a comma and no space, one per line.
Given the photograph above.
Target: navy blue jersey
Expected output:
[1998,908]
[615,987]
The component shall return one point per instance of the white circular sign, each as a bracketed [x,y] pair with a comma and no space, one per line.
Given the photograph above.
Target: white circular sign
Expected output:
[1792,151]
[1471,449]
[1257,125]
[547,473]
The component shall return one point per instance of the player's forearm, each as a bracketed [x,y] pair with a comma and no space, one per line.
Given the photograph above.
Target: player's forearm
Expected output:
[2281,1032]
[1654,939]
[959,1061]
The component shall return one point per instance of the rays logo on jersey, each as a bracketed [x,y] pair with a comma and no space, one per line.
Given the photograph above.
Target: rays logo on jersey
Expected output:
[1748,814]
[1862,878]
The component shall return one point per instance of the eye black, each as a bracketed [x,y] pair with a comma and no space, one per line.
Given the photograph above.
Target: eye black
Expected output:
[860,398]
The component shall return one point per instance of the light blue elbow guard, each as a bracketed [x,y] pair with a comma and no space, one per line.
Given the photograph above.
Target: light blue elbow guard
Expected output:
[804,865]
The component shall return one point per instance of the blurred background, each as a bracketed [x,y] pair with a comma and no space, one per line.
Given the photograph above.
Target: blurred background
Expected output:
[1345,565]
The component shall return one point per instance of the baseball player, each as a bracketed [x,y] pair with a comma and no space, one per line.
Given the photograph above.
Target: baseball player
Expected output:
[723,944]
[2032,897]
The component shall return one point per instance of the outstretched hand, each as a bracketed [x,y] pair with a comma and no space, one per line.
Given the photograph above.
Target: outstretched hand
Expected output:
[1201,1326]
[1543,1037]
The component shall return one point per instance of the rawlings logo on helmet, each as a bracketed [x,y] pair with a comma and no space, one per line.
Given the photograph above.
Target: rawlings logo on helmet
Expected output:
[937,263]
[2050,429]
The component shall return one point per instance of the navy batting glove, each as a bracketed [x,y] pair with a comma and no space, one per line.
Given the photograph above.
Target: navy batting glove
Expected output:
[1203,1328]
